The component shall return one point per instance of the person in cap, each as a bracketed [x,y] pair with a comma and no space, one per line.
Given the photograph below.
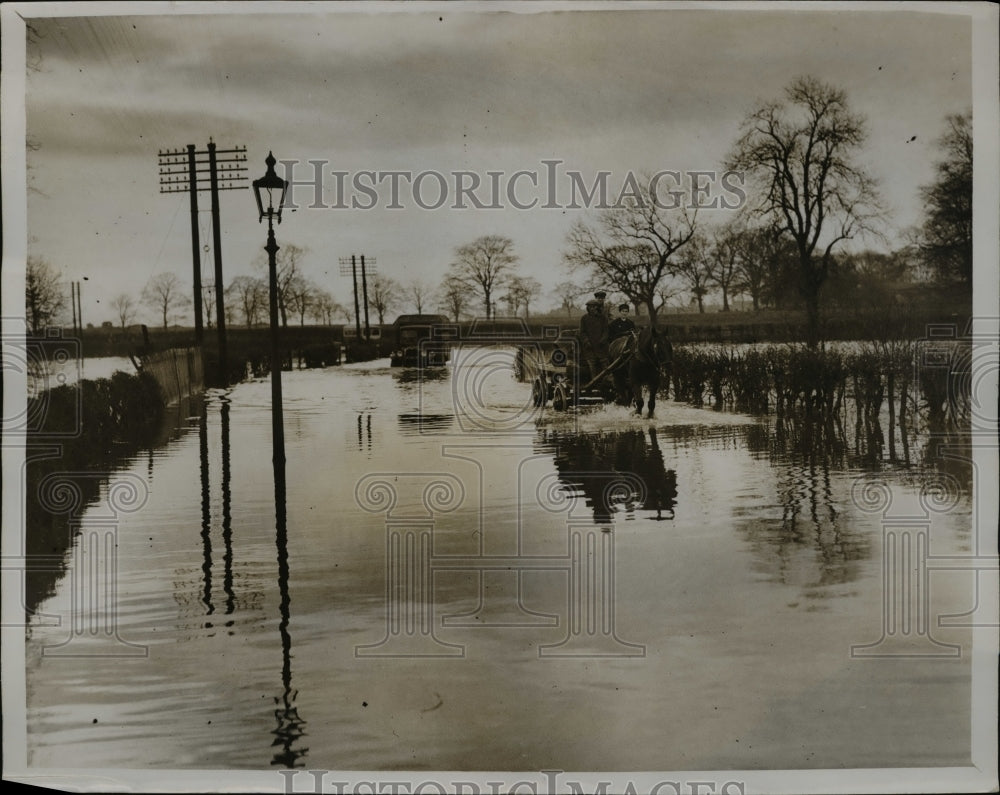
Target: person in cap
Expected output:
[601,297]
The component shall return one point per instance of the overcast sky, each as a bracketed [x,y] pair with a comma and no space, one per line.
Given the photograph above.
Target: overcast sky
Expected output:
[419,89]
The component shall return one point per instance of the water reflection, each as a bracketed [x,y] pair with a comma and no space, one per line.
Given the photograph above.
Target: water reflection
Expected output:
[418,423]
[410,378]
[950,452]
[207,526]
[290,725]
[591,465]
[227,514]
[824,441]
[206,512]
[365,431]
[775,500]
[811,542]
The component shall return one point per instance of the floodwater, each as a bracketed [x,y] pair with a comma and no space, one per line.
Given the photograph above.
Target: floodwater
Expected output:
[453,581]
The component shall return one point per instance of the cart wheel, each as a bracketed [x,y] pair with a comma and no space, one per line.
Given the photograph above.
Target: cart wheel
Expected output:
[538,393]
[560,398]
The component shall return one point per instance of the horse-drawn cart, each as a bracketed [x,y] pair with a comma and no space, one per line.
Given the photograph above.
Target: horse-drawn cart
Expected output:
[557,372]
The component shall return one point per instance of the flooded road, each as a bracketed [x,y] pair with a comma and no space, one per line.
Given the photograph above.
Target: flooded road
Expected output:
[462,582]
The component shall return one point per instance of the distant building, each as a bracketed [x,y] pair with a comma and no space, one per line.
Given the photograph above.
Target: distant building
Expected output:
[350,333]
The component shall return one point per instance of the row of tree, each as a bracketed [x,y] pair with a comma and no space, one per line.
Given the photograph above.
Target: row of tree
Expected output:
[806,194]
[485,265]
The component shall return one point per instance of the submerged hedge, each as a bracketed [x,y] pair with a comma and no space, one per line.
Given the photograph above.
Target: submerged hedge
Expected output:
[789,378]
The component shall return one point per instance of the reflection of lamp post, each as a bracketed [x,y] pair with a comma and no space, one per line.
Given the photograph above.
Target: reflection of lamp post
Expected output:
[270,183]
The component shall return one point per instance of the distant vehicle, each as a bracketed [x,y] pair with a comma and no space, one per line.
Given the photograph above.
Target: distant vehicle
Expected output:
[422,341]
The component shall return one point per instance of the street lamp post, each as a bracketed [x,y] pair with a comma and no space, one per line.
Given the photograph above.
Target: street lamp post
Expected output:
[274,187]
[290,725]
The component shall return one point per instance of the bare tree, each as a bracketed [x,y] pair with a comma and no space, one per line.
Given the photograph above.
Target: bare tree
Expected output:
[566,293]
[800,153]
[523,290]
[419,292]
[125,307]
[163,295]
[633,247]
[484,265]
[250,295]
[667,291]
[324,308]
[759,250]
[695,269]
[453,297]
[288,266]
[43,294]
[383,295]
[513,302]
[946,235]
[298,292]
[725,255]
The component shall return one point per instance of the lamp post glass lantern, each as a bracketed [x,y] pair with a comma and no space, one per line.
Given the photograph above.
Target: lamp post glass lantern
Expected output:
[274,187]
[270,183]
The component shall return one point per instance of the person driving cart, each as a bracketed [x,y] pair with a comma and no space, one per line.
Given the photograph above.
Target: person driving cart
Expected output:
[594,338]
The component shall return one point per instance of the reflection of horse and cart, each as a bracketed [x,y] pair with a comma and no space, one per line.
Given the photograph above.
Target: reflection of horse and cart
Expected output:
[558,371]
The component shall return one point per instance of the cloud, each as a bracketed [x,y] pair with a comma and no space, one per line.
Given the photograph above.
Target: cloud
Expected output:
[479,90]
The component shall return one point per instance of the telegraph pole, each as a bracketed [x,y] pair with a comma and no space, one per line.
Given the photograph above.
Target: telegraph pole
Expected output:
[352,271]
[72,300]
[220,298]
[364,287]
[79,309]
[349,267]
[188,171]
[195,244]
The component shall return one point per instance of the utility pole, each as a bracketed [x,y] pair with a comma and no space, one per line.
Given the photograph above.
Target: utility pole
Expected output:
[220,298]
[349,267]
[79,309]
[208,293]
[364,287]
[72,300]
[188,171]
[357,312]
[195,244]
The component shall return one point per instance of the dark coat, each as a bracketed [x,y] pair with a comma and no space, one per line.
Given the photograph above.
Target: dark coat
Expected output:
[594,332]
[619,327]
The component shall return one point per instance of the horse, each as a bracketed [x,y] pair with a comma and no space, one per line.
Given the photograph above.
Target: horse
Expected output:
[622,349]
[653,352]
